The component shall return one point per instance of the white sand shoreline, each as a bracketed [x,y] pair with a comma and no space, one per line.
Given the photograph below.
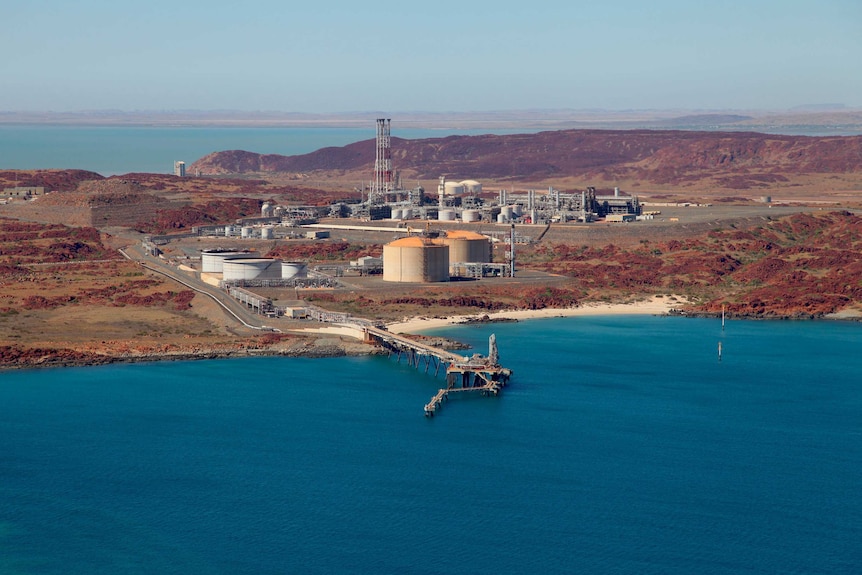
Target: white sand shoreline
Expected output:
[653,306]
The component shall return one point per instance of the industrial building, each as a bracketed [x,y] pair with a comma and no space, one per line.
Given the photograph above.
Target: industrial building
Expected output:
[180,169]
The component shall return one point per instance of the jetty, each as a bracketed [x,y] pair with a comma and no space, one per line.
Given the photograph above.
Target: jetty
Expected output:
[478,373]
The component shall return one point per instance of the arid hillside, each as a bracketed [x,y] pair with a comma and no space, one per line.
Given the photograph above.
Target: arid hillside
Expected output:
[729,160]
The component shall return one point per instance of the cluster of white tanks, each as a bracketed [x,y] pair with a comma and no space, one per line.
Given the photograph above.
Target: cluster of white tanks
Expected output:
[236,265]
[420,259]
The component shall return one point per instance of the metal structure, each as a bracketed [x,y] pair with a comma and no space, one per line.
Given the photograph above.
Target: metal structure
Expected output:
[382,183]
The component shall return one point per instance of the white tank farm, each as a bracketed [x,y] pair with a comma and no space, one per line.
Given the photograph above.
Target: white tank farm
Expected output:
[412,259]
[467,247]
[470,216]
[471,187]
[251,268]
[212,261]
[291,270]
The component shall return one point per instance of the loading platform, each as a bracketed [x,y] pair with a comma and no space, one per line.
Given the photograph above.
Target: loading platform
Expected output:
[481,374]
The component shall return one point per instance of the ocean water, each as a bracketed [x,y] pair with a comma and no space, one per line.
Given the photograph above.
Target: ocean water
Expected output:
[622,445]
[111,150]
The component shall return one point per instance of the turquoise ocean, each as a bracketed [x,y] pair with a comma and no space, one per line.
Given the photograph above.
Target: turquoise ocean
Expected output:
[116,150]
[621,445]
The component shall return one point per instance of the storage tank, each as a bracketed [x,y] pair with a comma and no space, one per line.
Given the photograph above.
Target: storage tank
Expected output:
[266,233]
[469,216]
[467,247]
[453,188]
[517,210]
[251,268]
[212,261]
[290,270]
[507,212]
[406,214]
[446,215]
[266,210]
[246,232]
[396,214]
[501,219]
[471,187]
[228,231]
[412,259]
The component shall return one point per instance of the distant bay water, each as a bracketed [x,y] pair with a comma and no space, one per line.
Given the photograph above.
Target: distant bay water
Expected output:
[110,150]
[622,445]
[115,150]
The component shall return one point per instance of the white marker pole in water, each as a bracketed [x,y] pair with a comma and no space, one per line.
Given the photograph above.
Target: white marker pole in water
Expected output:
[719,351]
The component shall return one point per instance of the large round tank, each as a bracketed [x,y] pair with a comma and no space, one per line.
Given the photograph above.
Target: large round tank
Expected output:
[246,232]
[507,212]
[212,261]
[290,270]
[251,268]
[471,187]
[266,210]
[228,231]
[266,233]
[397,214]
[412,259]
[406,214]
[467,247]
[453,188]
[501,219]
[469,216]
[517,210]
[446,215]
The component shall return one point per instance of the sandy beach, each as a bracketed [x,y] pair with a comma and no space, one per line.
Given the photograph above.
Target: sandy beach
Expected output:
[653,306]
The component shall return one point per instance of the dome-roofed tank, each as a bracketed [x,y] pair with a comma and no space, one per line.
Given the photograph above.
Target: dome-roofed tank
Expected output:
[266,210]
[453,188]
[467,247]
[413,259]
[471,187]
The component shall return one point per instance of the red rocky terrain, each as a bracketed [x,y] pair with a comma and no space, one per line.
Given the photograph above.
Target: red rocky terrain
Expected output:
[729,160]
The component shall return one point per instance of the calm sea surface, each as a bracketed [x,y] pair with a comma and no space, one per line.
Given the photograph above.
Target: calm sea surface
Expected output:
[622,445]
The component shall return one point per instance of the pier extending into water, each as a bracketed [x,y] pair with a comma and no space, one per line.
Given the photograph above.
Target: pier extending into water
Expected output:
[481,374]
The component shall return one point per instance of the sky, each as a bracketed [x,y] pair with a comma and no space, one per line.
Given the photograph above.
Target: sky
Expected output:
[439,56]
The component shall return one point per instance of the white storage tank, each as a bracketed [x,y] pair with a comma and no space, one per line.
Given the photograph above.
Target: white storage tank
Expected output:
[212,261]
[517,210]
[446,215]
[290,270]
[471,187]
[413,259]
[266,210]
[251,268]
[406,214]
[507,212]
[228,231]
[501,219]
[453,188]
[397,214]
[470,216]
[246,232]
[266,233]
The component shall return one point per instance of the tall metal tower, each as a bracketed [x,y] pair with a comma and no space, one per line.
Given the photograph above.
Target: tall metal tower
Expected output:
[382,163]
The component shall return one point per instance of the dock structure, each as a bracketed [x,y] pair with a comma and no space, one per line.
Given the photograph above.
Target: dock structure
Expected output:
[474,374]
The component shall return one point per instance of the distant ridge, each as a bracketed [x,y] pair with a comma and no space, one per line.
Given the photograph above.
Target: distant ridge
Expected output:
[731,159]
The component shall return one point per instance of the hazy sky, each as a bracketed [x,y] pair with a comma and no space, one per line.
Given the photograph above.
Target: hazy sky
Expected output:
[443,55]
